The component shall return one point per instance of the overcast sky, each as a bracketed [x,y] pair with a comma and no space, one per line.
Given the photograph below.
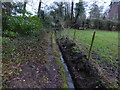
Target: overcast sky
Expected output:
[34,6]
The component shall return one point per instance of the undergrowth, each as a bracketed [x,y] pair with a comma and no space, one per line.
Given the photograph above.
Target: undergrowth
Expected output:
[18,51]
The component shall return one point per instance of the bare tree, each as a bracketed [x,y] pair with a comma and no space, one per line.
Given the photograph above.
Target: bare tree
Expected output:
[24,7]
[7,6]
[39,8]
[72,10]
[79,9]
[67,9]
[95,11]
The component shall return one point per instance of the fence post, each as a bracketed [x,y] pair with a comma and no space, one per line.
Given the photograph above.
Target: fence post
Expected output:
[74,35]
[89,53]
[67,33]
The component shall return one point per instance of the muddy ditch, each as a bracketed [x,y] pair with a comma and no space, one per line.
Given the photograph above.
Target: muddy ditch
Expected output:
[83,73]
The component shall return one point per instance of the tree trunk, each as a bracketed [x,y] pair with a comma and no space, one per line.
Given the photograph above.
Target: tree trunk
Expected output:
[119,12]
[72,11]
[0,8]
[24,8]
[68,14]
[39,8]
[60,12]
[76,17]
[8,8]
[65,11]
[0,16]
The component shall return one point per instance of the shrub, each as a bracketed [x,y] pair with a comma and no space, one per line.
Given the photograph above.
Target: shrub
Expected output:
[8,33]
[36,23]
[87,23]
[96,23]
[103,24]
[25,26]
[110,25]
[5,40]
[4,22]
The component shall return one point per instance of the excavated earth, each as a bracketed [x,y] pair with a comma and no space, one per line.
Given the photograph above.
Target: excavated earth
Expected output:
[83,73]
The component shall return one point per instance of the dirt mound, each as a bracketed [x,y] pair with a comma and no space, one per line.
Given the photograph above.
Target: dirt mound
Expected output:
[84,74]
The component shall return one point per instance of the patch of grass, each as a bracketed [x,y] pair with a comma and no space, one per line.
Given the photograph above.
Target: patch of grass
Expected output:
[74,49]
[59,64]
[62,72]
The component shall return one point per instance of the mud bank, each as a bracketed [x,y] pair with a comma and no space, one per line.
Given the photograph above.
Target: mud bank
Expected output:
[83,73]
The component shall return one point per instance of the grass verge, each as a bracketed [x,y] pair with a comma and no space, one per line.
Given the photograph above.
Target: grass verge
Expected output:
[59,63]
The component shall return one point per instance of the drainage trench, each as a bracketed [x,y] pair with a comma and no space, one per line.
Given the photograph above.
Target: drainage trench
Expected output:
[80,72]
[68,75]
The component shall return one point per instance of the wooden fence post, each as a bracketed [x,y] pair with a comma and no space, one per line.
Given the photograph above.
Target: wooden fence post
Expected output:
[74,35]
[89,53]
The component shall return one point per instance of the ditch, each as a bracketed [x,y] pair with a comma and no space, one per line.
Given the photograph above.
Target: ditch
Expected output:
[83,73]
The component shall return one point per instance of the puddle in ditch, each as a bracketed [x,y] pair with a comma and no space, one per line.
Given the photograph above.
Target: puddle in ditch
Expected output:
[69,79]
[83,74]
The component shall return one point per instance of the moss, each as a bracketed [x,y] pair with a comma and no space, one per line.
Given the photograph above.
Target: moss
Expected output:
[74,49]
[114,87]
[62,73]
[64,84]
[56,54]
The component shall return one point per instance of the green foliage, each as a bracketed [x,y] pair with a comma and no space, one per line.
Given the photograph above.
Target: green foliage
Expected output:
[4,22]
[102,24]
[87,23]
[46,22]
[59,9]
[5,40]
[59,64]
[74,49]
[80,8]
[96,23]
[25,26]
[10,33]
[95,11]
[110,25]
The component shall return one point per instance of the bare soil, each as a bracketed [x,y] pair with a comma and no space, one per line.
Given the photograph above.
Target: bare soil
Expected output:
[84,74]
